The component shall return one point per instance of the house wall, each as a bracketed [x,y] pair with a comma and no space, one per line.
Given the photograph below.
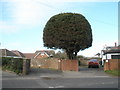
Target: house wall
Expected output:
[41,56]
[108,56]
[112,64]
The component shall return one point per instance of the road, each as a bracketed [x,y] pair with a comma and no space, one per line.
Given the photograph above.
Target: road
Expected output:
[43,78]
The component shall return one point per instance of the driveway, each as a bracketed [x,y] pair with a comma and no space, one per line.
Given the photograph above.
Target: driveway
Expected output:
[46,78]
[85,72]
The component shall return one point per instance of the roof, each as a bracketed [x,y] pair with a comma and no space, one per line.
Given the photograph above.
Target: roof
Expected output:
[47,52]
[29,55]
[112,50]
[7,53]
[18,53]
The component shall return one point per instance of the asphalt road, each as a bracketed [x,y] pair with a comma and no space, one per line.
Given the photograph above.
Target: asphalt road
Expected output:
[43,78]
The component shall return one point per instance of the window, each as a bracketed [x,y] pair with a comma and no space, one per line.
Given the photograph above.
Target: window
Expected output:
[115,56]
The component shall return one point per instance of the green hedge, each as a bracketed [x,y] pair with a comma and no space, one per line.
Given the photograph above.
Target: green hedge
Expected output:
[12,64]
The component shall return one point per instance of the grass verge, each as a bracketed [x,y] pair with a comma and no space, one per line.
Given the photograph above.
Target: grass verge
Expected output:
[113,72]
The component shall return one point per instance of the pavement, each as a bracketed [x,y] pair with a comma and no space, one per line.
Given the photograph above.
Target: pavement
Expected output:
[47,78]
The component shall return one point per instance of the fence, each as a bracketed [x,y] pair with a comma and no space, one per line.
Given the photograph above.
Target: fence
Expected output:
[64,65]
[112,64]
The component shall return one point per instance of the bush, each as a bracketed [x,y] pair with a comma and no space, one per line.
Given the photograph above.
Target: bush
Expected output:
[12,64]
[61,55]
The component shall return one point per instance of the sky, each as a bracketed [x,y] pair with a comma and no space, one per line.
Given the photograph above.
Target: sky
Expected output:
[22,22]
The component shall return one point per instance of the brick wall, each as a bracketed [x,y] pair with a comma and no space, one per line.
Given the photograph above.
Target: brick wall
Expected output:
[69,65]
[112,64]
[42,63]
[64,65]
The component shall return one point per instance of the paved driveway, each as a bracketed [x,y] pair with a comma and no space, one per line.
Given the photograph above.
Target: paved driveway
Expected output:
[43,78]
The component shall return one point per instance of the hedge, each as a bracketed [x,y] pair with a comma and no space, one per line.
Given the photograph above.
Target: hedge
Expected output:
[12,64]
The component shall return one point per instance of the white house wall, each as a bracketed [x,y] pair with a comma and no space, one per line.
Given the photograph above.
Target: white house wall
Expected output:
[108,56]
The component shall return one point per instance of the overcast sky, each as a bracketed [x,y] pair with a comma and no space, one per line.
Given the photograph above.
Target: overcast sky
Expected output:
[22,22]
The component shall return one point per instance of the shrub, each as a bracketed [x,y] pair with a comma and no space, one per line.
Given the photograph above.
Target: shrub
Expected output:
[12,64]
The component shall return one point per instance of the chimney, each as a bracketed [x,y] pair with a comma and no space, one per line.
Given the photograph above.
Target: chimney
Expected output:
[115,44]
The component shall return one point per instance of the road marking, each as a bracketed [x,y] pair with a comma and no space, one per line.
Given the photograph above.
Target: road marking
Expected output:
[44,76]
[50,87]
[56,87]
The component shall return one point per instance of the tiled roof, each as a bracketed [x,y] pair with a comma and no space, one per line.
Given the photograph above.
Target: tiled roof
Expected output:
[5,53]
[112,50]
[49,52]
[18,53]
[29,55]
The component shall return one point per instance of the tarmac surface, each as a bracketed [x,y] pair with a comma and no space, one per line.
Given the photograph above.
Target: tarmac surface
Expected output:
[48,78]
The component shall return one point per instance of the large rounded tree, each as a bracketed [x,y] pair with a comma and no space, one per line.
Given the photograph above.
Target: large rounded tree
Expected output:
[69,31]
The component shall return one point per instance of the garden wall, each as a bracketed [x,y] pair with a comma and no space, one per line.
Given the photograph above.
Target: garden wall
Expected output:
[69,65]
[64,65]
[112,64]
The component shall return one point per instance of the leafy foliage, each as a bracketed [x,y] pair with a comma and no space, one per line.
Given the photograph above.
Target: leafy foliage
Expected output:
[68,31]
[12,64]
[61,55]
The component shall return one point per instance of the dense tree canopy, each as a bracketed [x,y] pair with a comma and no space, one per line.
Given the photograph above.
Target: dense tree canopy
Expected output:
[69,31]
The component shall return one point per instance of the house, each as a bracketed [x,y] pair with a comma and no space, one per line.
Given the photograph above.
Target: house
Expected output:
[18,53]
[7,53]
[29,55]
[43,54]
[39,54]
[110,52]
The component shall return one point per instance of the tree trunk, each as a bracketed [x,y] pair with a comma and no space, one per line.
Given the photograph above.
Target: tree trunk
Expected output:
[75,55]
[71,54]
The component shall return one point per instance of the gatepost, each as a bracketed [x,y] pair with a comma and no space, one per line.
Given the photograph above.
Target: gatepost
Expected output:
[26,66]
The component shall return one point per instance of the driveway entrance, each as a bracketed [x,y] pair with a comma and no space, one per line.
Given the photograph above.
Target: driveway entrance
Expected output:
[47,78]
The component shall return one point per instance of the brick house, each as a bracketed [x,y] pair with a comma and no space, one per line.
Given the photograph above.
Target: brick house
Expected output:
[7,53]
[39,54]
[29,55]
[111,57]
[43,54]
[18,53]
[111,52]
